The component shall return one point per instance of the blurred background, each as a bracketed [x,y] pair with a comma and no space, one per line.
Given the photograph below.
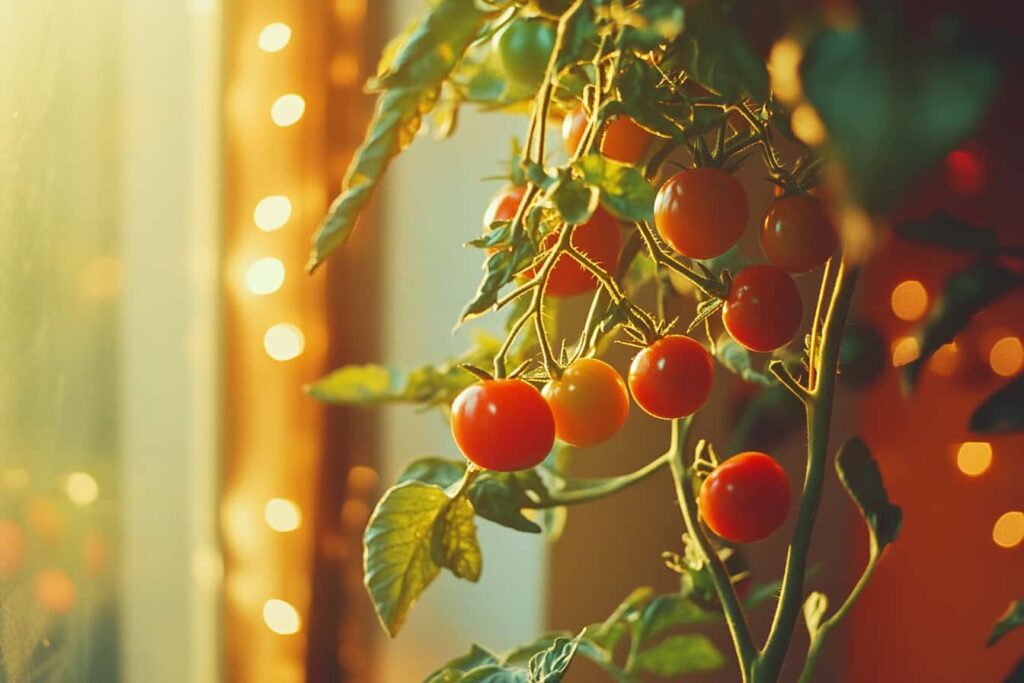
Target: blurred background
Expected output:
[174,508]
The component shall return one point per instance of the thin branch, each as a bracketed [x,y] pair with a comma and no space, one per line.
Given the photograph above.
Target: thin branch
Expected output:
[778,369]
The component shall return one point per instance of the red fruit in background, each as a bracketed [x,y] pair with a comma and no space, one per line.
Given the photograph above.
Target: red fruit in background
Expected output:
[745,498]
[503,425]
[672,377]
[763,310]
[797,234]
[622,140]
[599,238]
[701,212]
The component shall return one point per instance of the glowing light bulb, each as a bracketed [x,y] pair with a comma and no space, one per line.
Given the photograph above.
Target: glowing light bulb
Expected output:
[1006,357]
[282,515]
[974,457]
[807,125]
[909,300]
[271,213]
[275,37]
[81,488]
[281,617]
[1008,531]
[284,341]
[265,276]
[784,69]
[287,110]
[904,350]
[945,360]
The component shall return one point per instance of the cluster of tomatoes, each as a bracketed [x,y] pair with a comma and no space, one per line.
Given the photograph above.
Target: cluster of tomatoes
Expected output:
[508,425]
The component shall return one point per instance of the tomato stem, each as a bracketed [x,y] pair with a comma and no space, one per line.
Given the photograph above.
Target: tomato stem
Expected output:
[661,257]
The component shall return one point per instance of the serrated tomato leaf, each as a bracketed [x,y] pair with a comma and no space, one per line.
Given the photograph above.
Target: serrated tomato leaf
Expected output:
[454,670]
[550,665]
[1001,412]
[625,191]
[862,479]
[680,654]
[433,470]
[574,200]
[670,611]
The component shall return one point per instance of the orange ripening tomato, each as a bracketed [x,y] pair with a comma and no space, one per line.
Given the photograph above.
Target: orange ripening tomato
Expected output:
[503,425]
[599,239]
[701,212]
[763,310]
[672,377]
[589,401]
[623,140]
[797,234]
[504,205]
[745,498]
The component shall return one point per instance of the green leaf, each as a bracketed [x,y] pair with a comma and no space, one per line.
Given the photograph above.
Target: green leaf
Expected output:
[398,564]
[945,230]
[650,24]
[608,634]
[551,664]
[453,671]
[500,268]
[814,610]
[501,497]
[965,293]
[680,654]
[859,474]
[360,385]
[715,54]
[670,611]
[1002,411]
[411,77]
[496,674]
[524,653]
[433,470]
[900,105]
[455,544]
[624,190]
[1011,619]
[574,200]
[739,361]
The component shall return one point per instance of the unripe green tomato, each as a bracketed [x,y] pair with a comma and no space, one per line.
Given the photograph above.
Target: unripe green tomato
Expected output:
[524,47]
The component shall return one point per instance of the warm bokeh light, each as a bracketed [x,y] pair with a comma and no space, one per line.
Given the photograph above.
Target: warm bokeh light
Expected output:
[974,457]
[362,480]
[12,548]
[281,617]
[55,591]
[101,278]
[271,213]
[1008,531]
[807,125]
[287,109]
[904,350]
[909,300]
[275,37]
[784,68]
[284,341]
[945,360]
[265,276]
[965,171]
[82,488]
[282,515]
[15,478]
[1006,357]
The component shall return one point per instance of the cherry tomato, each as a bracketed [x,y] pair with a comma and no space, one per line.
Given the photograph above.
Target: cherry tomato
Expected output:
[524,47]
[763,310]
[745,498]
[589,401]
[797,234]
[672,377]
[623,140]
[503,424]
[599,239]
[701,212]
[503,205]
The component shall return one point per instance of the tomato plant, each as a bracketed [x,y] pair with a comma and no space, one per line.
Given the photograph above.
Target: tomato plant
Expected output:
[672,377]
[666,85]
[589,401]
[797,234]
[701,212]
[503,425]
[763,310]
[745,498]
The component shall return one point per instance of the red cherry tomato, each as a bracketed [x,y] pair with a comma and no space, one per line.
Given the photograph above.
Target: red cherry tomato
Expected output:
[672,377]
[745,498]
[589,401]
[503,424]
[623,140]
[503,205]
[797,234]
[701,212]
[763,310]
[600,239]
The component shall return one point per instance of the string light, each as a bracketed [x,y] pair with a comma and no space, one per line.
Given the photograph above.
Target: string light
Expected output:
[282,515]
[945,360]
[974,457]
[807,125]
[1008,531]
[284,341]
[275,37]
[287,110]
[909,300]
[281,617]
[265,276]
[1006,357]
[904,350]
[81,488]
[271,213]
